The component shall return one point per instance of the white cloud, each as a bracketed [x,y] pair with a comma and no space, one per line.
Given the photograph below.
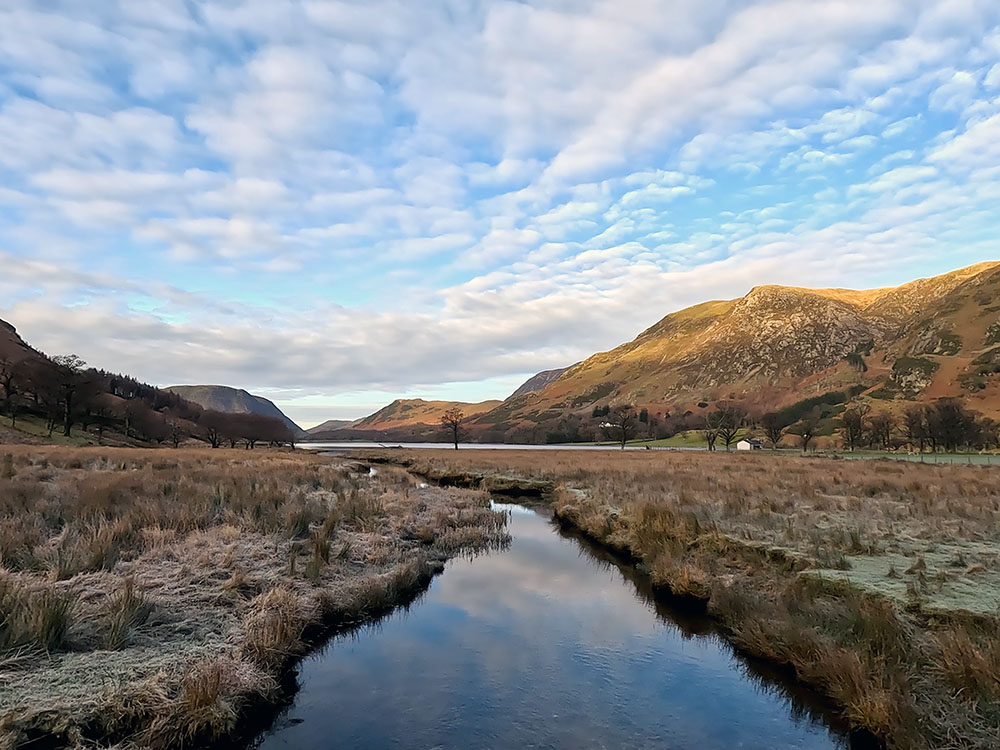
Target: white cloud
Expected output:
[524,182]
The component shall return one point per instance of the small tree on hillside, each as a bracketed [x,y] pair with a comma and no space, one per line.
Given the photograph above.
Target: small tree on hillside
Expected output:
[451,421]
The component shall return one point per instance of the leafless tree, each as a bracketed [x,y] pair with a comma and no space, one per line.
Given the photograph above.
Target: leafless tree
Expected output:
[724,423]
[807,428]
[213,425]
[451,421]
[74,386]
[624,423]
[774,426]
[915,427]
[880,427]
[732,420]
[711,429]
[852,423]
[13,380]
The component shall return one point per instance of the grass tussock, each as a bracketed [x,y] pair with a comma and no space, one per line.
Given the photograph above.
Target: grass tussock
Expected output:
[190,580]
[879,587]
[32,618]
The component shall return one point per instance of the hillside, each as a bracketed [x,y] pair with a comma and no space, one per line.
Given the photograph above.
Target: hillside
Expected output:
[12,346]
[539,381]
[330,425]
[415,411]
[411,419]
[232,401]
[778,345]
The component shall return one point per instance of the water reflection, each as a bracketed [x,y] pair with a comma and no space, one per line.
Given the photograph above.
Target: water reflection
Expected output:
[547,644]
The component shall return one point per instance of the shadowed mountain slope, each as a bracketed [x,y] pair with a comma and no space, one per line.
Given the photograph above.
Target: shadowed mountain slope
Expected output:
[232,401]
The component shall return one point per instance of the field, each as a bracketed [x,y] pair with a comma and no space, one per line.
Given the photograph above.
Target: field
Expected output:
[877,584]
[154,598]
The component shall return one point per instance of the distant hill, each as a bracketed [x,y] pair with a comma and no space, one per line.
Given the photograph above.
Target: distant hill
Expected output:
[780,345]
[539,381]
[413,411]
[329,425]
[411,419]
[232,401]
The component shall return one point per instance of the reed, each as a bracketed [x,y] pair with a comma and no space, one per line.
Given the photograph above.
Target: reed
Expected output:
[190,580]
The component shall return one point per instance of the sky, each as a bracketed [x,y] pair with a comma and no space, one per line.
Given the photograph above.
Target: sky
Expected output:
[335,204]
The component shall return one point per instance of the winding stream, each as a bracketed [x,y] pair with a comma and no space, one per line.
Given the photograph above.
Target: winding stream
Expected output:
[548,644]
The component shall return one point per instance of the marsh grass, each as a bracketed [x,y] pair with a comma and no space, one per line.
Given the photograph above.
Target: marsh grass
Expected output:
[877,584]
[127,609]
[33,618]
[190,580]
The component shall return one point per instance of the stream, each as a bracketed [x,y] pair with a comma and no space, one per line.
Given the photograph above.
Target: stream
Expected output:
[551,643]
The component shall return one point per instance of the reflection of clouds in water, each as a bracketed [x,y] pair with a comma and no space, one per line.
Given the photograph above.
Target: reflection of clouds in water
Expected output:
[538,646]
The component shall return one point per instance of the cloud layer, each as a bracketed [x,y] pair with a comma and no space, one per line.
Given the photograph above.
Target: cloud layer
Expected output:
[321,200]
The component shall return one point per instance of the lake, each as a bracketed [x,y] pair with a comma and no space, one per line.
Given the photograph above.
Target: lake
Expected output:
[352,444]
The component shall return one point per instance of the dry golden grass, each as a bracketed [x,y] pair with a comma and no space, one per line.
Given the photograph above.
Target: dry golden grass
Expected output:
[878,583]
[148,598]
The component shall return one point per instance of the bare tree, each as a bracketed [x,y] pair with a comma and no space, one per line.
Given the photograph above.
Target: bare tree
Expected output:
[915,427]
[774,426]
[13,379]
[711,429]
[73,384]
[807,428]
[213,425]
[852,423]
[880,427]
[732,420]
[951,425]
[624,423]
[451,421]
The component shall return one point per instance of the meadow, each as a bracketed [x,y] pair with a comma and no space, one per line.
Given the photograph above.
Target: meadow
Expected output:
[875,582]
[155,598]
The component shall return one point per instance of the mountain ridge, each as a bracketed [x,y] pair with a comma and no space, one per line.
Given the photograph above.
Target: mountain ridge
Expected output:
[231,400]
[768,349]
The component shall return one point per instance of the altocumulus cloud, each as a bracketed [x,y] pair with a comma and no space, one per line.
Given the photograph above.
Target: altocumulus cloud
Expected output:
[326,198]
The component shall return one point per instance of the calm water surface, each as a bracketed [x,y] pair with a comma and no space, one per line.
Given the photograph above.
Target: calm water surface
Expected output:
[359,444]
[548,644]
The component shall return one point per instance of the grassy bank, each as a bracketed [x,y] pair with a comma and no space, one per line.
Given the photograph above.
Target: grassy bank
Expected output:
[151,598]
[877,584]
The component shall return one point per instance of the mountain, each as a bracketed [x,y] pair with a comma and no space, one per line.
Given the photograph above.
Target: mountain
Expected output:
[539,381]
[779,345]
[408,412]
[330,425]
[12,346]
[233,401]
[411,419]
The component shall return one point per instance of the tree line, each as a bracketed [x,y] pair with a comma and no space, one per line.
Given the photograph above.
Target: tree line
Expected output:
[945,425]
[65,394]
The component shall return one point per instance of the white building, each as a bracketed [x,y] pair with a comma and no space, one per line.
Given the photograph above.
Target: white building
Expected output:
[749,445]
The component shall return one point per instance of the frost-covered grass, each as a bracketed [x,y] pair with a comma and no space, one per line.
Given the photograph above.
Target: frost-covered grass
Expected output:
[878,582]
[148,598]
